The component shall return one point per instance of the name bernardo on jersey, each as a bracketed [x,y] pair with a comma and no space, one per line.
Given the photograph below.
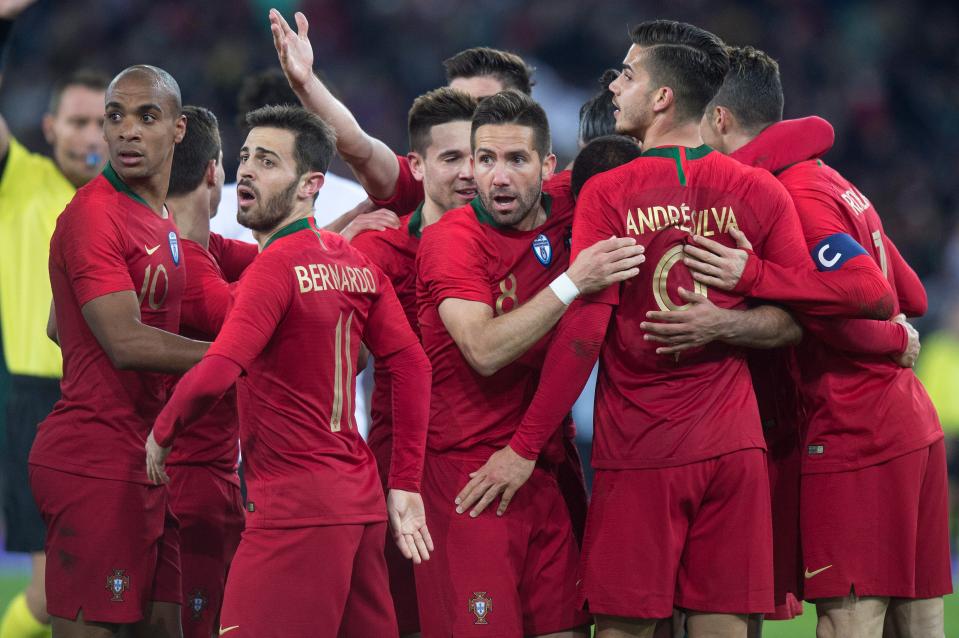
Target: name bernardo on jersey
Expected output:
[705,223]
[320,277]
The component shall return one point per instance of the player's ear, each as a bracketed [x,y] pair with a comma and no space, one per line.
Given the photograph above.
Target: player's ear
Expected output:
[180,129]
[549,166]
[663,99]
[724,120]
[209,175]
[310,184]
[48,129]
[416,165]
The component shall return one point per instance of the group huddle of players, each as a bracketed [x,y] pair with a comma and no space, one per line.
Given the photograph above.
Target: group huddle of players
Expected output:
[760,437]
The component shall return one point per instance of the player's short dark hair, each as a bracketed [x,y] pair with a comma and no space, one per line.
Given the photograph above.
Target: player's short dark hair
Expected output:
[752,90]
[438,106]
[92,79]
[192,155]
[513,107]
[314,141]
[596,115]
[508,68]
[600,155]
[166,82]
[266,88]
[689,60]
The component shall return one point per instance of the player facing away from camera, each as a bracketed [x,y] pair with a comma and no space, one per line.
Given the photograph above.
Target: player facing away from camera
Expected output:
[678,445]
[204,485]
[310,561]
[872,436]
[486,308]
[117,272]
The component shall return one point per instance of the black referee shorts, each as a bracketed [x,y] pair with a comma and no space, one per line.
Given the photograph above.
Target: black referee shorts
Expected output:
[30,401]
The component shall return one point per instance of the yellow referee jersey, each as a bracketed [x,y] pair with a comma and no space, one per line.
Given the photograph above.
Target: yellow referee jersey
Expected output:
[33,193]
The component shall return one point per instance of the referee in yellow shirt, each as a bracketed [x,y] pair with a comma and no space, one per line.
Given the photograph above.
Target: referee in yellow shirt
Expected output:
[33,191]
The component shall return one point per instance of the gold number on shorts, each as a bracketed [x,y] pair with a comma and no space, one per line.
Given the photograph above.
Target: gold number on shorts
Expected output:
[152,283]
[342,383]
[877,240]
[508,288]
[661,275]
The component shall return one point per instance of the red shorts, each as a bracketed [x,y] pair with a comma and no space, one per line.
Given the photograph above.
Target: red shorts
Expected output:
[572,484]
[880,531]
[324,581]
[112,547]
[210,511]
[507,575]
[696,537]
[784,477]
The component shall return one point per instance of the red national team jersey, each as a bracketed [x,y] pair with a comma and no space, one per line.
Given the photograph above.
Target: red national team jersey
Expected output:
[863,409]
[467,255]
[107,240]
[660,411]
[394,251]
[213,440]
[301,311]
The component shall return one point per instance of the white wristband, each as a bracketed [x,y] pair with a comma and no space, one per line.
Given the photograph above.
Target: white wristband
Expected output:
[564,288]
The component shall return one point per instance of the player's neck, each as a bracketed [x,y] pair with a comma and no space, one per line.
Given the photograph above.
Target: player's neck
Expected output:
[263,237]
[152,190]
[666,132]
[534,219]
[191,214]
[431,212]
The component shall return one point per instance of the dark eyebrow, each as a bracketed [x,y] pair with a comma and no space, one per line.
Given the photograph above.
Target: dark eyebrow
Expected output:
[627,67]
[260,149]
[143,108]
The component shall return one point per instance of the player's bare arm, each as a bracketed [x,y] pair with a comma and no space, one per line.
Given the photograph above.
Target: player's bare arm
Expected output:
[372,161]
[489,342]
[701,322]
[114,320]
[379,219]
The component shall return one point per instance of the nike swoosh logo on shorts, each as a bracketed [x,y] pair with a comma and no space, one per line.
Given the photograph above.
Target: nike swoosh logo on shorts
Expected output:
[228,629]
[810,574]
[150,251]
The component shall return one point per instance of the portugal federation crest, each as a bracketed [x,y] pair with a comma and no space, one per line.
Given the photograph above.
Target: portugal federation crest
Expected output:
[174,248]
[117,583]
[480,606]
[543,250]
[197,602]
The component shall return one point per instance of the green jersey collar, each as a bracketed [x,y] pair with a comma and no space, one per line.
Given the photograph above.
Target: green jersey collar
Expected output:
[485,217]
[289,229]
[120,185]
[416,220]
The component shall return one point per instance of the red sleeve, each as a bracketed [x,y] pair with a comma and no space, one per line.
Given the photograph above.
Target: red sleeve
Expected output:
[386,330]
[207,296]
[592,223]
[407,193]
[857,288]
[409,374]
[450,265]
[860,336]
[569,361]
[232,255]
[912,294]
[262,299]
[372,244]
[196,393]
[93,245]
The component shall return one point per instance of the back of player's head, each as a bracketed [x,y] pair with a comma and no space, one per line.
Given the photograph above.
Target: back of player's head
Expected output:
[439,106]
[596,115]
[163,81]
[512,107]
[752,90]
[314,139]
[600,155]
[508,68]
[200,144]
[689,60]
[267,88]
[88,78]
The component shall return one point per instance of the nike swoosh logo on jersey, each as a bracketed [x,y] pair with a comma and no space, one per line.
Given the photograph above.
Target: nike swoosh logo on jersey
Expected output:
[228,629]
[810,574]
[150,251]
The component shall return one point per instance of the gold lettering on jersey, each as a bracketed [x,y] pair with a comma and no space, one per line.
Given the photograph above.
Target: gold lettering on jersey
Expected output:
[336,412]
[348,354]
[338,277]
[151,280]
[856,201]
[706,222]
[508,289]
[661,276]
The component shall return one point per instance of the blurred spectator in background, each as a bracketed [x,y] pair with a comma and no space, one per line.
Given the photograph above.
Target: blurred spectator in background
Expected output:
[33,191]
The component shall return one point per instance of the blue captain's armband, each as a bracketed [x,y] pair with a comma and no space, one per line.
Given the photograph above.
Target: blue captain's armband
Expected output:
[833,251]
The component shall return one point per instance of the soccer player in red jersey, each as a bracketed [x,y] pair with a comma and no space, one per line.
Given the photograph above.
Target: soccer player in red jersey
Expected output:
[117,273]
[486,307]
[678,446]
[310,561]
[204,486]
[873,463]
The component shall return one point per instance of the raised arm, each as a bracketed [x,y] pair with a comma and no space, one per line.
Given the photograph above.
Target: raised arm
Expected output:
[372,161]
